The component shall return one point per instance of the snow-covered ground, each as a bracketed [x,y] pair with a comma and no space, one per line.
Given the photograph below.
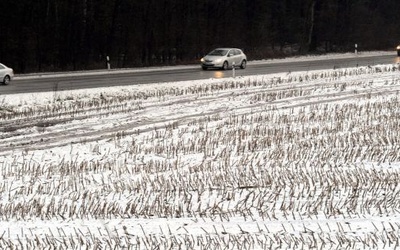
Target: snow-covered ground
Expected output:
[291,160]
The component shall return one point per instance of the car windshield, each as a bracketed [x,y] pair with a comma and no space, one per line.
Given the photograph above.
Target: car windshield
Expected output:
[218,52]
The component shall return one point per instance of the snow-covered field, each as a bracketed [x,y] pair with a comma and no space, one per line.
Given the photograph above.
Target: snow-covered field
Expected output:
[293,160]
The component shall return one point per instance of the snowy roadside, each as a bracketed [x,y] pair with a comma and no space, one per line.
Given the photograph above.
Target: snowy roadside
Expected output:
[300,160]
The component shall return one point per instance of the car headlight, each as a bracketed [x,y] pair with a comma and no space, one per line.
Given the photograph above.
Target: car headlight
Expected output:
[398,47]
[202,60]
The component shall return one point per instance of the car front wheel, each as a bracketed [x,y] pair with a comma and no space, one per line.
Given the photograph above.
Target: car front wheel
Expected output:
[204,67]
[243,64]
[6,80]
[225,65]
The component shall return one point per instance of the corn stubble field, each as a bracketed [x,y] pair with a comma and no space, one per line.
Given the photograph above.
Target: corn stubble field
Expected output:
[304,160]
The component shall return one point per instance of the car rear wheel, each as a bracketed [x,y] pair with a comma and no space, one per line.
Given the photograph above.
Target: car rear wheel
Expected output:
[243,64]
[204,67]
[6,80]
[225,65]
[398,53]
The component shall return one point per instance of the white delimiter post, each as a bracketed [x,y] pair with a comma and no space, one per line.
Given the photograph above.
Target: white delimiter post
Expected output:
[233,69]
[108,63]
[355,48]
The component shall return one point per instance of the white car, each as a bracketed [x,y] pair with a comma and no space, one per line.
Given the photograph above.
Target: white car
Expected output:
[6,74]
[224,58]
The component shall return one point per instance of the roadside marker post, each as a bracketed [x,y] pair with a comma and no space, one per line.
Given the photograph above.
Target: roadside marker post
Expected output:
[108,63]
[233,69]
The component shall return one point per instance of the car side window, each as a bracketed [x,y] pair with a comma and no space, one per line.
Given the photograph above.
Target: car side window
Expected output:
[1,67]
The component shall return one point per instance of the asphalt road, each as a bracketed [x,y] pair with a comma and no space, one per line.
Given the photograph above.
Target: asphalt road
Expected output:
[94,79]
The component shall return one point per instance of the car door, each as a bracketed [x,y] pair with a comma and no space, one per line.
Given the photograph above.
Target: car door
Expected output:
[2,72]
[231,57]
[234,57]
[238,57]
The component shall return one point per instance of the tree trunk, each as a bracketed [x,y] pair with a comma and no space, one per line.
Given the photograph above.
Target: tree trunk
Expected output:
[310,40]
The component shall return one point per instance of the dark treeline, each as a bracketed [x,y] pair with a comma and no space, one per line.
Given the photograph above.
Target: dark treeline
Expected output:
[47,35]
